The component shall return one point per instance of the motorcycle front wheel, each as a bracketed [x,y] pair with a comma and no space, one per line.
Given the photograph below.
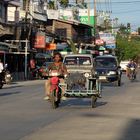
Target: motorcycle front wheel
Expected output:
[54,100]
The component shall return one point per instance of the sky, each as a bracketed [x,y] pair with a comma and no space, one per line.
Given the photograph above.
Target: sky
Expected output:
[127,11]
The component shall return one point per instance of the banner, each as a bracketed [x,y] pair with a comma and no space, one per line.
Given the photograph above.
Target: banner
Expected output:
[51,46]
[40,41]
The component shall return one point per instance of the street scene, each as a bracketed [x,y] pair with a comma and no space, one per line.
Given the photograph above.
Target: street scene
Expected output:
[25,116]
[69,70]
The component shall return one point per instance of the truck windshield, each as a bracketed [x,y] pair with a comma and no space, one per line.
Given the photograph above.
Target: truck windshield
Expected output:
[77,60]
[105,62]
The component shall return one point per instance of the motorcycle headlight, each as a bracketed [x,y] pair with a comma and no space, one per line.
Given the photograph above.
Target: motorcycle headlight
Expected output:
[86,75]
[132,69]
[112,72]
[54,74]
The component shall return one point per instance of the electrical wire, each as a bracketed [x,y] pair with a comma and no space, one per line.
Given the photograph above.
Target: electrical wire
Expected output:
[126,12]
[126,2]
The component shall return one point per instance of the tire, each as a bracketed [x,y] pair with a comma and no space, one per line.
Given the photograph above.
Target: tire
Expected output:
[93,101]
[55,104]
[119,82]
[1,85]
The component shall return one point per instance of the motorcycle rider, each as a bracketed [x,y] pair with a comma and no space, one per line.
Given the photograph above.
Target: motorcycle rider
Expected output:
[130,65]
[59,66]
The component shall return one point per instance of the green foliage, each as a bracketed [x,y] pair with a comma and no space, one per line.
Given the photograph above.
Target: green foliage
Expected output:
[51,5]
[139,30]
[123,29]
[64,3]
[127,49]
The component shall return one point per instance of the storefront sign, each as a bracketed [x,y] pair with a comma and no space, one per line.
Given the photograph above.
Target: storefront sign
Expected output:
[99,42]
[40,41]
[51,46]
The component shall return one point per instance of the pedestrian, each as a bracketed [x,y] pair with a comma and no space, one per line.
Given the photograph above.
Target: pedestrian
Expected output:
[1,66]
[32,66]
[1,71]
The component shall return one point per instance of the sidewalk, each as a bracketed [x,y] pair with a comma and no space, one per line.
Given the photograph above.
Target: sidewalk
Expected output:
[26,83]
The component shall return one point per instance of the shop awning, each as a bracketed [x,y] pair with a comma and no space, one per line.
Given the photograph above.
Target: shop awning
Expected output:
[39,16]
[42,55]
[4,47]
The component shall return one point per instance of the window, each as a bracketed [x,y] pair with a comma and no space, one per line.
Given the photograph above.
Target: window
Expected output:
[106,62]
[77,60]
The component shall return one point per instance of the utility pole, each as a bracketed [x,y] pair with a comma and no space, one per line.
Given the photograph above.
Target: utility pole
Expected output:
[95,18]
[89,12]
[27,37]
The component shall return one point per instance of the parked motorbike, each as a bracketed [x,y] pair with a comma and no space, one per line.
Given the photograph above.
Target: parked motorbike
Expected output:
[1,81]
[35,72]
[7,76]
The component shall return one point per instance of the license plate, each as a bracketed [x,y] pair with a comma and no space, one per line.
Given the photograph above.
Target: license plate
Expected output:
[102,77]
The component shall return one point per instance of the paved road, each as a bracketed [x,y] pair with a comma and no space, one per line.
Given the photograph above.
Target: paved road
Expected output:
[25,116]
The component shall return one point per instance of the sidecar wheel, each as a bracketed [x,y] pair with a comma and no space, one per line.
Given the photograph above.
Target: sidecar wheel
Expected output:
[93,101]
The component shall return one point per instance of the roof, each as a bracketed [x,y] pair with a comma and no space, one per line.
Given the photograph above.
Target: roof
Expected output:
[4,31]
[71,55]
[74,22]
[104,56]
[42,55]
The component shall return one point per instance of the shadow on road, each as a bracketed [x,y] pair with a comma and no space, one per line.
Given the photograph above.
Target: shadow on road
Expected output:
[111,84]
[80,103]
[11,87]
[132,130]
[9,93]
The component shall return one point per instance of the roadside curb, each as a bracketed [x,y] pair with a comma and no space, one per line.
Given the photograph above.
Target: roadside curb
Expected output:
[26,83]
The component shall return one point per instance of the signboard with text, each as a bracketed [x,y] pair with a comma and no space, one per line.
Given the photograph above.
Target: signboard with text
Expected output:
[40,41]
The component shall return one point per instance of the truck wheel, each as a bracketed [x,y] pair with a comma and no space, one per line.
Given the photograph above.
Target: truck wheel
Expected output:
[119,82]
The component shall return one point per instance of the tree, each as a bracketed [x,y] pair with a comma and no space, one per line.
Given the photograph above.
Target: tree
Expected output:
[122,29]
[127,49]
[139,30]
[51,5]
[64,3]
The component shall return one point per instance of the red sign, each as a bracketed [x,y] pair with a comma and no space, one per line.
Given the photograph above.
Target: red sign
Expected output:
[51,46]
[99,42]
[40,41]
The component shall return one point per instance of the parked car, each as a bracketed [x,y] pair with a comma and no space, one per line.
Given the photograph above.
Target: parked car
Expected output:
[43,70]
[108,69]
[123,65]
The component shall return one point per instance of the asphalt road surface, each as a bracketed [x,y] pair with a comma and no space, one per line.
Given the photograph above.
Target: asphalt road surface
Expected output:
[24,115]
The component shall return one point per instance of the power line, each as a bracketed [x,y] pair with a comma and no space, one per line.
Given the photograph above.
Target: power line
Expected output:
[126,2]
[125,12]
[116,2]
